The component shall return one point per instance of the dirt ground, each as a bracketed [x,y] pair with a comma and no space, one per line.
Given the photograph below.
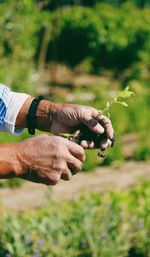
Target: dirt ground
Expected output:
[103,179]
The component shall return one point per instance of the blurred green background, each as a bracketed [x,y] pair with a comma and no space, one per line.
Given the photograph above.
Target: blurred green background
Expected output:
[82,52]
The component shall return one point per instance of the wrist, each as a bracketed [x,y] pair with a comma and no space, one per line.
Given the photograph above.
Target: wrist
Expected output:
[10,165]
[45,113]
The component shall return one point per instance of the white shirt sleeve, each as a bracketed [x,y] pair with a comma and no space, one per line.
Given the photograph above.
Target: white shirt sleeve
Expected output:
[14,102]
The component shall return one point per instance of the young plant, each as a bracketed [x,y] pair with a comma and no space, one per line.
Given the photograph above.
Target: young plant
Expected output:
[119,99]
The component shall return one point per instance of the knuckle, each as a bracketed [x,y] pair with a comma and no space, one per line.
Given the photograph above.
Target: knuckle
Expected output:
[62,166]
[106,120]
[94,112]
[61,140]
[56,180]
[60,154]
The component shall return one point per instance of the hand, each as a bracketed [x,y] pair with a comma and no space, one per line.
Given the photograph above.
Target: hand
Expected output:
[69,118]
[47,159]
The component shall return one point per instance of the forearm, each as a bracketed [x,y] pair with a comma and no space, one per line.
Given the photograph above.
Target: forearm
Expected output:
[9,163]
[43,115]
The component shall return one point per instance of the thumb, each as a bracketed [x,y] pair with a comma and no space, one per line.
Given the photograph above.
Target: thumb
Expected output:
[90,121]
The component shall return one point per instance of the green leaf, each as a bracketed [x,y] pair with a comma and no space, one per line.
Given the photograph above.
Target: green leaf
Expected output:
[126,93]
[122,103]
[107,104]
[108,114]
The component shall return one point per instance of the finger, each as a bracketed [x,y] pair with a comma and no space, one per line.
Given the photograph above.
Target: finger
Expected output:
[106,123]
[89,119]
[74,164]
[87,144]
[93,125]
[66,175]
[76,150]
[105,143]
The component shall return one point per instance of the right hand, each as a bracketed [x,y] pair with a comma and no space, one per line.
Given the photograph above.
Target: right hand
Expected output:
[47,159]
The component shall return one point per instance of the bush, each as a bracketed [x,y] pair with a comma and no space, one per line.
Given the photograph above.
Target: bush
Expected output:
[143,151]
[19,24]
[109,225]
[121,42]
[77,35]
[105,34]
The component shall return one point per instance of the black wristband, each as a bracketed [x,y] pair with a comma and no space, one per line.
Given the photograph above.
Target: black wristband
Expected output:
[31,116]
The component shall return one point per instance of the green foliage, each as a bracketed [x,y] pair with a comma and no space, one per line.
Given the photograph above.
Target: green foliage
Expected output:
[114,156]
[18,33]
[77,35]
[6,137]
[11,183]
[54,4]
[122,42]
[92,160]
[142,153]
[104,34]
[109,225]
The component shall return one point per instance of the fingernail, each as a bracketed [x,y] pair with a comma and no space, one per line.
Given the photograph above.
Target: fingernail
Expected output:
[113,138]
[99,129]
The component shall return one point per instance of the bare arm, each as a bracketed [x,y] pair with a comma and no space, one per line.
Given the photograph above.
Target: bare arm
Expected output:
[9,164]
[59,159]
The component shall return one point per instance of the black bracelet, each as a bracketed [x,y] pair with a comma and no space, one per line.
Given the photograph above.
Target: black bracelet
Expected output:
[31,116]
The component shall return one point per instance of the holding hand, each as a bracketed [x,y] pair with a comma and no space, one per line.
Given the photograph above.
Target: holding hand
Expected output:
[46,160]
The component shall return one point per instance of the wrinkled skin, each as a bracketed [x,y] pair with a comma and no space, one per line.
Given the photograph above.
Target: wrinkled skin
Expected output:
[50,159]
[47,159]
[70,118]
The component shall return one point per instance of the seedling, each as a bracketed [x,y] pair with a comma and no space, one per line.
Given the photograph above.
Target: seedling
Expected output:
[119,99]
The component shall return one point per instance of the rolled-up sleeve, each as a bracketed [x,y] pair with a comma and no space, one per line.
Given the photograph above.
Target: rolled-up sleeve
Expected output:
[10,105]
[4,102]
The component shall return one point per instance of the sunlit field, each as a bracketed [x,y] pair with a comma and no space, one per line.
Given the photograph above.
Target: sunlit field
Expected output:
[81,52]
